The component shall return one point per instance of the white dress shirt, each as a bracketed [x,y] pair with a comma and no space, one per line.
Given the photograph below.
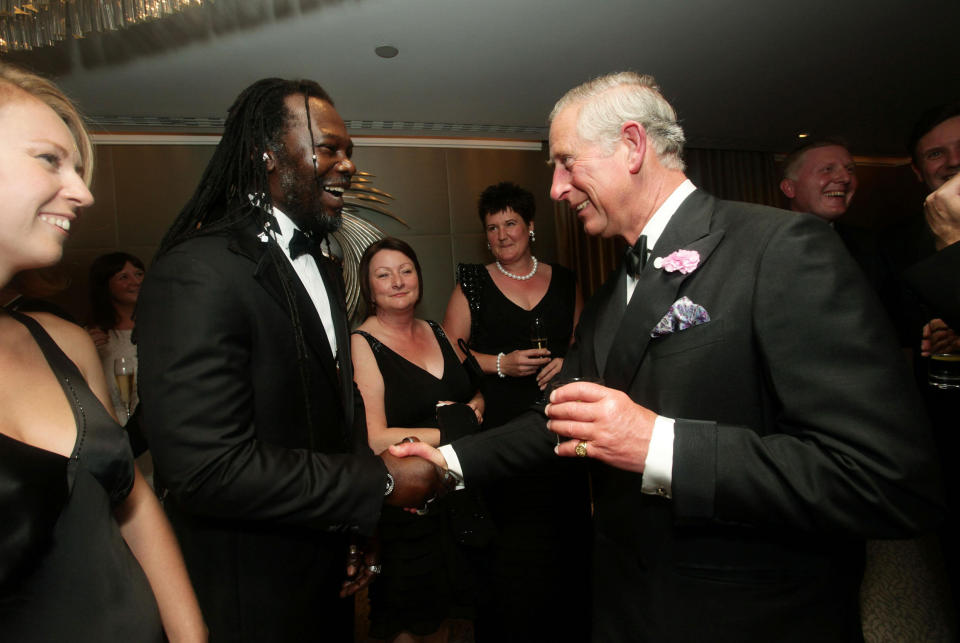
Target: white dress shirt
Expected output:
[306,268]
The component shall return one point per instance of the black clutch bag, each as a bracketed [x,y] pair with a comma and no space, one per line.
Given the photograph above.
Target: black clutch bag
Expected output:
[455,421]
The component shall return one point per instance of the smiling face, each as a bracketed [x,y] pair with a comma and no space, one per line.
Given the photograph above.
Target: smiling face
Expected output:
[312,197]
[591,181]
[394,284]
[508,236]
[41,185]
[938,154]
[124,286]
[825,182]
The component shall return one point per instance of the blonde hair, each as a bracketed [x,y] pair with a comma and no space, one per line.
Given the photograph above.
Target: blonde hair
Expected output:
[14,80]
[607,102]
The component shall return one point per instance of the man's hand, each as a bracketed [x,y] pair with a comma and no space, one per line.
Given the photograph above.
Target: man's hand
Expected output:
[938,338]
[415,480]
[942,208]
[363,565]
[548,372]
[615,429]
[421,449]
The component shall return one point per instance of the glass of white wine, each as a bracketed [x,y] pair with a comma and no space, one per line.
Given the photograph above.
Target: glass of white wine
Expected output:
[124,369]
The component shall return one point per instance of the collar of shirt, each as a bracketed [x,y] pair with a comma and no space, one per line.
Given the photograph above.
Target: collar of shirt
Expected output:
[286,230]
[658,222]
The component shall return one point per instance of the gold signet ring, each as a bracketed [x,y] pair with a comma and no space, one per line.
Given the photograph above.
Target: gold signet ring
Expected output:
[581,449]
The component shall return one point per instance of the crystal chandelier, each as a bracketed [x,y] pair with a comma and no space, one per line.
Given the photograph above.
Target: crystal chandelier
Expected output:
[26,24]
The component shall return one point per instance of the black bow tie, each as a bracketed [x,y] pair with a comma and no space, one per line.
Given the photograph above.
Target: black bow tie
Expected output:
[636,257]
[301,244]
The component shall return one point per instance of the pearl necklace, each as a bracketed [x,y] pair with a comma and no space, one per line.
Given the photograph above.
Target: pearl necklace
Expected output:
[519,277]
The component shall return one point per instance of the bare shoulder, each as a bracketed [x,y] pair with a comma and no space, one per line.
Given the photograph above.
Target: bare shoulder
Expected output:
[72,340]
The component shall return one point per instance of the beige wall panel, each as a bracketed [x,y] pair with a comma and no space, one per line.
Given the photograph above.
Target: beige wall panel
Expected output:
[433,252]
[471,248]
[153,183]
[417,178]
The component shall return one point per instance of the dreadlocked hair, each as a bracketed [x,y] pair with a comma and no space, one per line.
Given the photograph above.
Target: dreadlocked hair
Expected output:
[255,123]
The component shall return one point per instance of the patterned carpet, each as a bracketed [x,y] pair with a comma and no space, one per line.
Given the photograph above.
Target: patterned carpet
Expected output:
[904,596]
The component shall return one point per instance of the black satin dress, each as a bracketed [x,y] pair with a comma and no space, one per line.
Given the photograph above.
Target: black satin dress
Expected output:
[66,574]
[427,570]
[539,563]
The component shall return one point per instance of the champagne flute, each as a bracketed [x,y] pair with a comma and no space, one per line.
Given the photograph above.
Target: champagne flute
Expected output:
[124,369]
[538,339]
[538,333]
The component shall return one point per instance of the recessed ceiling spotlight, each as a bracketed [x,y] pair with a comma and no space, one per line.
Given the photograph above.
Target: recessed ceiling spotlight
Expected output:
[386,51]
[803,135]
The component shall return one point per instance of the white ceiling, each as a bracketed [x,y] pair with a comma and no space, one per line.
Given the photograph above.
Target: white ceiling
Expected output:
[743,74]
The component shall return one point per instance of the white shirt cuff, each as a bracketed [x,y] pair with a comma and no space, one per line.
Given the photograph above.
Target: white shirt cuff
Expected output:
[453,462]
[658,467]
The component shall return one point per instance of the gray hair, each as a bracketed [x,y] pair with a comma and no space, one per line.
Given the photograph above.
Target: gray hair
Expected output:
[609,101]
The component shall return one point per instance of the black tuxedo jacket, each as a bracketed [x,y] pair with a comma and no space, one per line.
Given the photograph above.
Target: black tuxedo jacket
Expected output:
[264,479]
[798,435]
[936,280]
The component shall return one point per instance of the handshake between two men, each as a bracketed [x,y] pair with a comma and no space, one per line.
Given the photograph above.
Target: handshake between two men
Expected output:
[415,481]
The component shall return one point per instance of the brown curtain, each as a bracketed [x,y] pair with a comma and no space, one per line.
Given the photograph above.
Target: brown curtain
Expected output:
[735,176]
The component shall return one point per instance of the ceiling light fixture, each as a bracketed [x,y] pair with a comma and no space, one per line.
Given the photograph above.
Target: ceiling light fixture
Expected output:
[27,24]
[386,51]
[803,135]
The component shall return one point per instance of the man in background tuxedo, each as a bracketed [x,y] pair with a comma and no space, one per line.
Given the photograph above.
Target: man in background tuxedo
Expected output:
[246,384]
[756,422]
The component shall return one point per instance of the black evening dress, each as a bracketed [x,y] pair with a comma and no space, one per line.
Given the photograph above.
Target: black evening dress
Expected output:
[427,560]
[66,574]
[540,561]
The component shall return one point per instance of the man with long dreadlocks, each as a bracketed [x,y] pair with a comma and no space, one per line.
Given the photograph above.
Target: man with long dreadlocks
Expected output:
[246,383]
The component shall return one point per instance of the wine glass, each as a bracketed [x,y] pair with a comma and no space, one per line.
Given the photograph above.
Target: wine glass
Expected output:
[124,369]
[560,381]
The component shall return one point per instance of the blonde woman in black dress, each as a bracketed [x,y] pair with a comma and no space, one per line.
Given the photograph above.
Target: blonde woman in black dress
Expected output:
[86,553]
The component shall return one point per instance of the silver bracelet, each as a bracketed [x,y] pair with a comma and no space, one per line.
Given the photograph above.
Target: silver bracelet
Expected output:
[499,372]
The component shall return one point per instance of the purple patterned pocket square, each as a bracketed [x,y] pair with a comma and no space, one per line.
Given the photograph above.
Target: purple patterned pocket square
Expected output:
[682,315]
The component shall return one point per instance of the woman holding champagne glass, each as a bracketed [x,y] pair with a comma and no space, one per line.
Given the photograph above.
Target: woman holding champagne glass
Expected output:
[517,314]
[115,280]
[86,553]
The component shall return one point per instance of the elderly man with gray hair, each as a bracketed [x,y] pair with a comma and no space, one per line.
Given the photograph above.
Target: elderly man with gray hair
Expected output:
[746,437]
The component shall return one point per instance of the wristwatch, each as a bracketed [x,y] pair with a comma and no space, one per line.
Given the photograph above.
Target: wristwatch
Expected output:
[389,488]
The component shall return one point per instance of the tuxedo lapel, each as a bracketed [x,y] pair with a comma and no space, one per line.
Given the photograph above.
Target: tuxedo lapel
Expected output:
[333,280]
[267,274]
[657,289]
[609,318]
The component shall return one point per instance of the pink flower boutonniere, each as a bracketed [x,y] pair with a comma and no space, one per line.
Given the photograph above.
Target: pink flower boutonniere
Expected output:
[686,261]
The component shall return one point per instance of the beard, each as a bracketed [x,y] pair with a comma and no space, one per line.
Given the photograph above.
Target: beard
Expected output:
[302,202]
